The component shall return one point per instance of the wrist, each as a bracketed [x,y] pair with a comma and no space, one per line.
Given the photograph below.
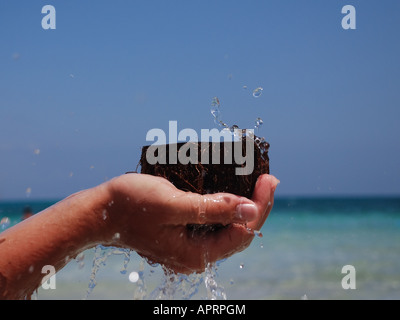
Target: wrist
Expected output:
[97,215]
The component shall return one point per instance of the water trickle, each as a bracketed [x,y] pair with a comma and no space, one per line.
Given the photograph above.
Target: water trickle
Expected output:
[101,254]
[257,92]
[141,290]
[127,258]
[216,112]
[214,291]
[215,102]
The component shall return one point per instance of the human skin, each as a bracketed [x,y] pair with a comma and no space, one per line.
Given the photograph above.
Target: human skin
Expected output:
[145,213]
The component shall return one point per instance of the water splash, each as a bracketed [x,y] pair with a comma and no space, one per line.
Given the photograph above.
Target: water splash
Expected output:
[100,257]
[214,290]
[141,290]
[216,112]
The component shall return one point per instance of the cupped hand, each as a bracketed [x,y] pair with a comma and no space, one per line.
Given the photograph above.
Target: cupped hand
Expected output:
[183,231]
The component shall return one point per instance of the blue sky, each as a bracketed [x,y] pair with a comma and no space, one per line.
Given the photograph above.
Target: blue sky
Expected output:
[86,93]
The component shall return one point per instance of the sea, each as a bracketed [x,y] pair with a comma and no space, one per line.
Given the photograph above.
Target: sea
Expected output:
[309,248]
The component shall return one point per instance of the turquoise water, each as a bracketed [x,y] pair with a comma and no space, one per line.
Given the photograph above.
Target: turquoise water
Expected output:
[305,244]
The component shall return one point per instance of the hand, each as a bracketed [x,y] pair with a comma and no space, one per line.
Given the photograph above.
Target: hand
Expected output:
[151,216]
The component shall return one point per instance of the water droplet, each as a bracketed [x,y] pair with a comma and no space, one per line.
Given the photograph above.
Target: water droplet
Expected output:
[258,233]
[5,223]
[111,203]
[91,167]
[116,236]
[133,276]
[215,112]
[259,122]
[215,102]
[28,191]
[262,245]
[304,297]
[36,151]
[71,174]
[80,257]
[231,282]
[241,266]
[257,92]
[104,214]
[31,268]
[245,87]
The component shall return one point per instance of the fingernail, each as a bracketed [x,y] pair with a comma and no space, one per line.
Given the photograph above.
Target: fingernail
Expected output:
[246,212]
[274,180]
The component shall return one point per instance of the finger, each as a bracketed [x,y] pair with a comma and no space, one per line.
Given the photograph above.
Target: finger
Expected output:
[234,238]
[218,208]
[199,249]
[263,197]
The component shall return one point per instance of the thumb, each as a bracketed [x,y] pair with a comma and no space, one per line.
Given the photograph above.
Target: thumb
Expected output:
[263,197]
[218,208]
